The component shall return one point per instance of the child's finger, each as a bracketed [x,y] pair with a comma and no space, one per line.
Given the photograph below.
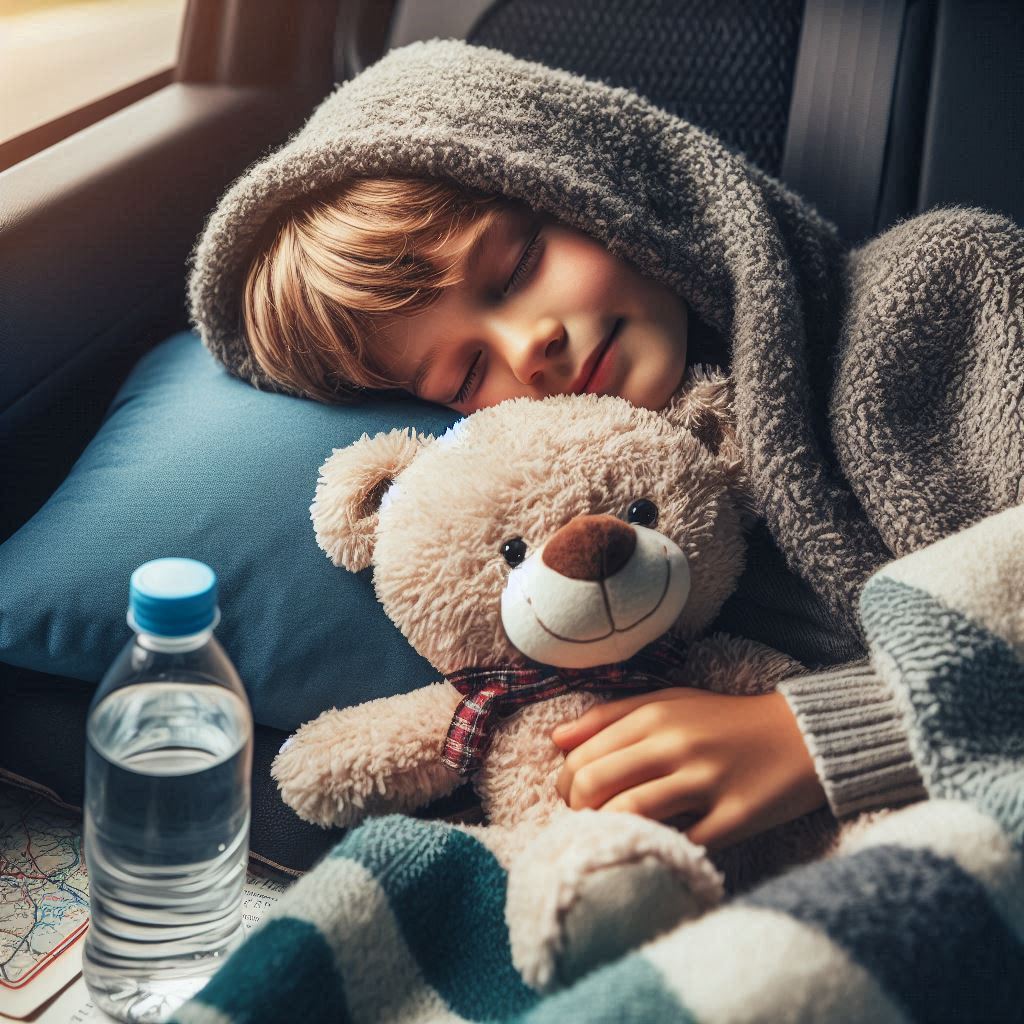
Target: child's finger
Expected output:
[659,799]
[617,735]
[572,734]
[603,777]
[728,823]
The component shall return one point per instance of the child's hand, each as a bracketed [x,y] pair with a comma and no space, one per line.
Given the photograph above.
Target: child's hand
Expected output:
[738,765]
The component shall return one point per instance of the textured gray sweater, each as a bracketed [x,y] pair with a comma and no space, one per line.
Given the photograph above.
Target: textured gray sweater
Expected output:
[879,391]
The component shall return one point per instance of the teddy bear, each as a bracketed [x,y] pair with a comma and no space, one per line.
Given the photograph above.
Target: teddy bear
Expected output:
[545,556]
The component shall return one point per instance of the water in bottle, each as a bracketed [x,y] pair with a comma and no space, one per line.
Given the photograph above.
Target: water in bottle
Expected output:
[168,757]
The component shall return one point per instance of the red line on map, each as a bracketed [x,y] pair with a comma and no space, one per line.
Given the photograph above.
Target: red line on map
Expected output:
[50,958]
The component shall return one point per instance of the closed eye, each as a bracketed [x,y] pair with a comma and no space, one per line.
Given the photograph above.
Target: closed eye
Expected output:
[526,263]
[467,385]
[524,268]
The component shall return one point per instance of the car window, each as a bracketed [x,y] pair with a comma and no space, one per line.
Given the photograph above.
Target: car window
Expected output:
[57,56]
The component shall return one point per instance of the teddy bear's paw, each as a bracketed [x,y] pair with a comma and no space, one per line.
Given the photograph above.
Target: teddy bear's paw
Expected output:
[375,758]
[594,885]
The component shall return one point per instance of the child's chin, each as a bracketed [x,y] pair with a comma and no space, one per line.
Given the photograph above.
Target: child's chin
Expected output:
[656,396]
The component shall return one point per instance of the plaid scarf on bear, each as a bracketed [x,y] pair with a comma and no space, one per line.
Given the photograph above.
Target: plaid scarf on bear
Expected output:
[494,693]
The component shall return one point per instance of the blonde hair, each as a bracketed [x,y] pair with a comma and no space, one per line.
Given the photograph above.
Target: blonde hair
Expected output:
[331,267]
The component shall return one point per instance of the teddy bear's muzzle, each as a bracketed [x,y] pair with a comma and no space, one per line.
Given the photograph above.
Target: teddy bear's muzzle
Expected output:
[596,593]
[590,548]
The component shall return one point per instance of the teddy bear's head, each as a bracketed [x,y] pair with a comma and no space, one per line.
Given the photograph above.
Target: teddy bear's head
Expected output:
[571,531]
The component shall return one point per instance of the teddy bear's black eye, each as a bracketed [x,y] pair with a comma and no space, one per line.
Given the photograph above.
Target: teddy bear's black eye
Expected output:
[514,550]
[643,512]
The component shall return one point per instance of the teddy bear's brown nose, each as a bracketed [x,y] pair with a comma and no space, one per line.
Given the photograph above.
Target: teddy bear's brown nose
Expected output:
[590,548]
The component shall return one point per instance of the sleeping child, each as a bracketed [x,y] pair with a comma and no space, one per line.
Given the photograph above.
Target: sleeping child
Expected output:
[463,227]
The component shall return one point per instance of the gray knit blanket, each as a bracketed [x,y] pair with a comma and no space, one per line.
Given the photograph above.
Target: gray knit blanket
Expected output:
[880,392]
[918,917]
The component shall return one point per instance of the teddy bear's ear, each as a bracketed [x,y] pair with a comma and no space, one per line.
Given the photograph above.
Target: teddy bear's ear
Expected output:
[704,406]
[348,494]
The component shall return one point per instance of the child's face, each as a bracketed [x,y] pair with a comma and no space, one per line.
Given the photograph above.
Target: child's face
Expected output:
[534,317]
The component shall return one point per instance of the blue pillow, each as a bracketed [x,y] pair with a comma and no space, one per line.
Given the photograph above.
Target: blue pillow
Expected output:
[191,461]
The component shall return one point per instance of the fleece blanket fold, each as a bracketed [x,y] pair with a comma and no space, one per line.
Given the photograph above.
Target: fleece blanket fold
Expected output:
[918,917]
[879,392]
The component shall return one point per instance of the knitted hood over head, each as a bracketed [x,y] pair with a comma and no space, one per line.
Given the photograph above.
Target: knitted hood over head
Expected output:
[863,379]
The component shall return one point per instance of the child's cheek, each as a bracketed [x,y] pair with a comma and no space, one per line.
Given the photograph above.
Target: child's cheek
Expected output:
[583,266]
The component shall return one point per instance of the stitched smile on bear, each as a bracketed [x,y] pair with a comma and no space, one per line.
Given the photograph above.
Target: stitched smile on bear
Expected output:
[596,593]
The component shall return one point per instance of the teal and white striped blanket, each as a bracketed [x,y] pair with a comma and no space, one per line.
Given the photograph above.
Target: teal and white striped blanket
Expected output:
[919,917]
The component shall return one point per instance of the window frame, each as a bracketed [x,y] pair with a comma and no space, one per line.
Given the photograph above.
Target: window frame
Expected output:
[97,228]
[35,140]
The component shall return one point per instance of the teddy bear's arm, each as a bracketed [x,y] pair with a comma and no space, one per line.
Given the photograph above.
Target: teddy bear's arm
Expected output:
[379,757]
[733,664]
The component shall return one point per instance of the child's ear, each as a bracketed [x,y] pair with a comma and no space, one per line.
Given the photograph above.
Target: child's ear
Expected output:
[348,494]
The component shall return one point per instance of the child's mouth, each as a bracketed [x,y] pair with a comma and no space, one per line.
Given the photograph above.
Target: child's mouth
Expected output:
[602,367]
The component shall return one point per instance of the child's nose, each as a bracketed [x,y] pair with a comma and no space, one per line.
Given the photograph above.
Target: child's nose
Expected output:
[532,347]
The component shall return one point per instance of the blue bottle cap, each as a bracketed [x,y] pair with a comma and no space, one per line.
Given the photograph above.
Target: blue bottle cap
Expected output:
[173,597]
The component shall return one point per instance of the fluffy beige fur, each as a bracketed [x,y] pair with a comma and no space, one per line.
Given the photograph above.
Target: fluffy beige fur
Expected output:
[431,516]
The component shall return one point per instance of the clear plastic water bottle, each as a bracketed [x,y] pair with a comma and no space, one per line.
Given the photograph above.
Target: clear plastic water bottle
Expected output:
[168,757]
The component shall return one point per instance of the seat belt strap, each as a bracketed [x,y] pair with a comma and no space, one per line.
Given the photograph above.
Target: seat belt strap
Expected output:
[841,108]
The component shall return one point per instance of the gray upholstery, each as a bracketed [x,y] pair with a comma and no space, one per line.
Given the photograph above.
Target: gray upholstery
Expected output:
[424,19]
[724,65]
